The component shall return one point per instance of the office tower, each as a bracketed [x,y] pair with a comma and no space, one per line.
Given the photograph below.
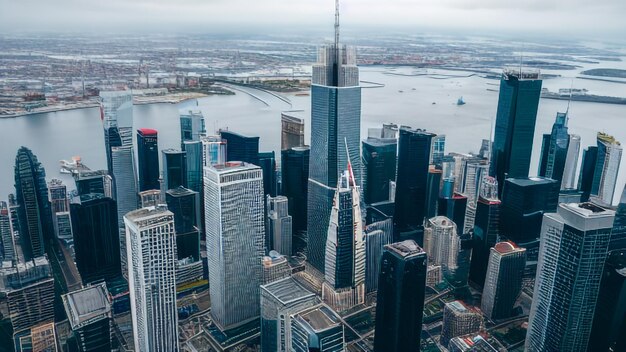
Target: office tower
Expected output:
[96,237]
[554,149]
[150,198]
[29,291]
[194,164]
[432,192]
[267,162]
[609,322]
[455,209]
[279,225]
[34,214]
[233,198]
[13,213]
[6,234]
[213,150]
[148,159]
[344,284]
[459,319]
[317,328]
[279,300]
[185,205]
[524,201]
[59,207]
[275,267]
[411,182]
[618,235]
[607,167]
[379,167]
[377,236]
[191,127]
[470,343]
[174,173]
[335,136]
[116,112]
[515,125]
[571,163]
[437,150]
[152,278]
[125,177]
[485,149]
[434,275]
[474,174]
[292,130]
[503,283]
[587,171]
[94,182]
[486,229]
[295,185]
[574,243]
[444,246]
[240,147]
[400,299]
[89,314]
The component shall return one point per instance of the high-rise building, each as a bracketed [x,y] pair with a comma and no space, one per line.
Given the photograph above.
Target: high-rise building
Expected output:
[411,182]
[148,159]
[185,205]
[96,237]
[587,171]
[444,246]
[486,229]
[292,131]
[379,167]
[116,112]
[344,284]
[6,234]
[191,127]
[455,209]
[474,173]
[515,125]
[194,164]
[151,250]
[618,235]
[174,173]
[126,196]
[89,314]
[42,337]
[94,182]
[275,267]
[503,283]
[571,163]
[377,236]
[459,319]
[233,200]
[438,150]
[574,244]
[241,148]
[295,185]
[317,328]
[279,225]
[213,150]
[554,149]
[34,214]
[59,207]
[267,162]
[609,322]
[432,192]
[607,167]
[279,300]
[150,198]
[29,291]
[335,137]
[400,299]
[471,343]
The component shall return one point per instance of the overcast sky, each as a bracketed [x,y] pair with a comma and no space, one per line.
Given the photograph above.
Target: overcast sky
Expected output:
[591,19]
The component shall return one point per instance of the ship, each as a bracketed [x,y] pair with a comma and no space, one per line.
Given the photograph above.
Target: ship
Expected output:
[460,101]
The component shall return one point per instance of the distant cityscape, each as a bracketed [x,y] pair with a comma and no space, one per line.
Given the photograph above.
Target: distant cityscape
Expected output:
[384,242]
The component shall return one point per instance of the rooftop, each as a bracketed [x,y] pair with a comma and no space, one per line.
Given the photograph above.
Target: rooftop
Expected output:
[405,248]
[530,181]
[87,304]
[521,73]
[147,212]
[606,138]
[294,116]
[319,318]
[147,131]
[507,247]
[233,166]
[287,290]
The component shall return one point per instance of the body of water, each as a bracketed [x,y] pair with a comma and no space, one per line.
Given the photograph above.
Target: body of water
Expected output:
[417,101]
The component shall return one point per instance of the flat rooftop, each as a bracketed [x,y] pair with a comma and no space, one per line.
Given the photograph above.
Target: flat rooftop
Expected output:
[86,304]
[531,181]
[287,290]
[319,318]
[405,248]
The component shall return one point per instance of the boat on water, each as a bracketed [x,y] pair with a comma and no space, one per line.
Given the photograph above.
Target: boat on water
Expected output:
[400,91]
[460,101]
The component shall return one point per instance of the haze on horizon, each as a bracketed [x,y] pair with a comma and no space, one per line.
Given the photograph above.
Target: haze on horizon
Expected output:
[576,19]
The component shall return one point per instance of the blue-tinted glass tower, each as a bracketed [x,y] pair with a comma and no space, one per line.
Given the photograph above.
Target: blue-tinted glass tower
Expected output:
[554,149]
[240,147]
[618,235]
[185,204]
[587,170]
[379,166]
[295,186]
[267,162]
[191,127]
[148,159]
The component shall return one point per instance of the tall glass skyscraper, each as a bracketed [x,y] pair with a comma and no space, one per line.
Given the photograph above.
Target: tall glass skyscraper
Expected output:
[400,299]
[174,164]
[295,186]
[587,171]
[89,315]
[503,283]
[486,229]
[515,125]
[191,127]
[279,225]
[335,126]
[379,166]
[574,244]
[126,195]
[194,164]
[148,159]
[607,167]
[152,279]
[34,214]
[571,163]
[267,162]
[618,236]
[116,112]
[240,147]
[6,234]
[377,236]
[235,232]
[554,149]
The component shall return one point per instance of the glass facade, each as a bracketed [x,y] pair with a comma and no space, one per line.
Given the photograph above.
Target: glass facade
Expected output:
[174,168]
[191,127]
[295,181]
[379,166]
[486,230]
[241,148]
[607,166]
[267,162]
[148,159]
[185,205]
[554,150]
[503,283]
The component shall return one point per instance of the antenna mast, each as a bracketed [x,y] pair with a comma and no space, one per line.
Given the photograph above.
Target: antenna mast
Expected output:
[337,25]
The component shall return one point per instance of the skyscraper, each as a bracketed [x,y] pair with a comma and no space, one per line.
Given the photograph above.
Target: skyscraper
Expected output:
[126,196]
[185,205]
[379,166]
[148,159]
[444,247]
[344,284]
[6,234]
[194,164]
[317,328]
[377,236]
[267,162]
[609,322]
[515,125]
[34,214]
[459,319]
[437,150]
[571,163]
[295,182]
[587,171]
[554,149]
[116,112]
[432,192]
[94,182]
[275,267]
[150,198]
[213,150]
[335,136]
[152,278]
[191,127]
[240,147]
[607,167]
[174,173]
[233,201]
[455,209]
[89,314]
[96,237]
[618,235]
[292,130]
[59,207]
[411,182]
[486,229]
[400,299]
[279,225]
[574,243]
[503,283]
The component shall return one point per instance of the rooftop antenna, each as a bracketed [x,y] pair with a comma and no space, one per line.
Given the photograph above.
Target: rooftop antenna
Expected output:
[337,24]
